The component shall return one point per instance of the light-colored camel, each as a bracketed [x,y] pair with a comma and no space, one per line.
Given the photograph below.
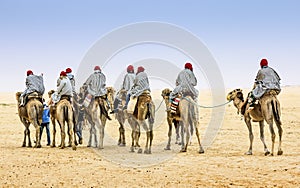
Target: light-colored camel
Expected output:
[31,113]
[145,109]
[267,109]
[53,119]
[171,118]
[96,114]
[188,113]
[64,114]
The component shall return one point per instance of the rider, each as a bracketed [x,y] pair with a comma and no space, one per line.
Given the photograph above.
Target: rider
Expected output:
[64,89]
[140,84]
[34,83]
[266,79]
[71,78]
[96,86]
[185,83]
[127,85]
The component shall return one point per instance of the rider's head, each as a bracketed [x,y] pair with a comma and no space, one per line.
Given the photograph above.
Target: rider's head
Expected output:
[63,74]
[140,69]
[130,69]
[188,66]
[97,68]
[68,70]
[263,63]
[29,72]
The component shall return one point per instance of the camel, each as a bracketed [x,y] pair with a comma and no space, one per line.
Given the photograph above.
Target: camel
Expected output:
[267,109]
[53,119]
[64,113]
[31,113]
[120,116]
[188,112]
[144,109]
[171,118]
[96,114]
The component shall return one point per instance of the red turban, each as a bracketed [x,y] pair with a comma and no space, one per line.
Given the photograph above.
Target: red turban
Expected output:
[97,68]
[140,69]
[63,73]
[188,66]
[130,68]
[68,70]
[29,72]
[264,62]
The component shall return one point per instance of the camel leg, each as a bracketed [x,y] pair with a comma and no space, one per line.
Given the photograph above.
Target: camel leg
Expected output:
[145,127]
[280,131]
[70,132]
[262,137]
[121,141]
[37,135]
[249,126]
[176,124]
[182,137]
[92,129]
[272,136]
[63,135]
[168,147]
[29,140]
[101,134]
[53,132]
[201,150]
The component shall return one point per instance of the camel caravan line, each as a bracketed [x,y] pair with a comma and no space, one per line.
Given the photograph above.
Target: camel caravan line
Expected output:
[135,105]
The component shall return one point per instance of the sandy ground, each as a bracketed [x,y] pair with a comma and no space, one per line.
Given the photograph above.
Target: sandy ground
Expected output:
[223,164]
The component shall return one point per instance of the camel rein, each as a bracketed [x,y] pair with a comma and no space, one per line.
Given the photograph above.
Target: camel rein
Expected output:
[201,106]
[159,105]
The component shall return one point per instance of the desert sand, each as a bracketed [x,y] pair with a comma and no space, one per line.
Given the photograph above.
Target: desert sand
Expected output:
[222,165]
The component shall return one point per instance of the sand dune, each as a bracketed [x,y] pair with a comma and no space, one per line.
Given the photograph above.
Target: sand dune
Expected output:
[223,164]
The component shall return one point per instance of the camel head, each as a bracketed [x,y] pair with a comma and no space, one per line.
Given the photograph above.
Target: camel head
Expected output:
[166,95]
[110,95]
[50,93]
[237,97]
[122,94]
[18,94]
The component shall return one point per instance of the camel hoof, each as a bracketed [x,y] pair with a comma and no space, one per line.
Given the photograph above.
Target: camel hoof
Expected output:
[69,146]
[248,153]
[122,145]
[201,151]
[76,144]
[167,148]
[182,150]
[140,150]
[179,143]
[29,146]
[80,141]
[267,153]
[101,147]
[23,145]
[37,146]
[272,154]
[53,146]
[147,151]
[88,145]
[61,147]
[74,148]
[280,152]
[132,149]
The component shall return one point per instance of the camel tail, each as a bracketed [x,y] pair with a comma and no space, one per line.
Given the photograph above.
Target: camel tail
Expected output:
[275,110]
[66,111]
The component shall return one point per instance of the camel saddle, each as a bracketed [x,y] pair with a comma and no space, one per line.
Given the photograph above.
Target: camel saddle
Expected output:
[33,95]
[147,99]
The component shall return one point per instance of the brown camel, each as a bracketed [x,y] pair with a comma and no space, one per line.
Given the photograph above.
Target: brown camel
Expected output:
[268,109]
[171,118]
[120,116]
[96,114]
[188,112]
[31,113]
[144,109]
[64,114]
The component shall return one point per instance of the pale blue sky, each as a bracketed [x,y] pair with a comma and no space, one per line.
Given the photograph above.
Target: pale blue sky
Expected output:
[49,36]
